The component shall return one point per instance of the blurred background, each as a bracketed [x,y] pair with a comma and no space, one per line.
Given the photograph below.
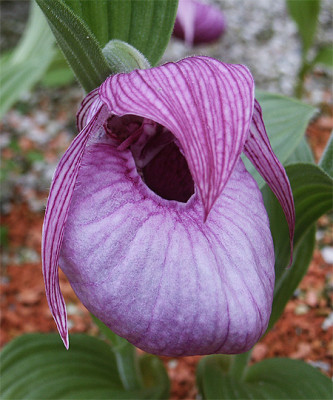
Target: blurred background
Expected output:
[38,127]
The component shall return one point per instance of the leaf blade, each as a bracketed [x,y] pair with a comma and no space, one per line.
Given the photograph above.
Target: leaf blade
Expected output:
[276,378]
[147,25]
[326,161]
[21,69]
[305,14]
[312,190]
[290,278]
[324,57]
[78,44]
[37,366]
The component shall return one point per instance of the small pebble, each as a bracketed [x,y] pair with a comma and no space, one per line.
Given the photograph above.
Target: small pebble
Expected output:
[172,364]
[328,322]
[320,235]
[320,364]
[301,309]
[72,309]
[311,298]
[327,253]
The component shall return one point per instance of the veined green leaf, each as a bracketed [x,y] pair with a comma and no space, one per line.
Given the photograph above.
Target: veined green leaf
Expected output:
[286,120]
[36,38]
[312,191]
[77,42]
[83,27]
[305,14]
[23,67]
[36,366]
[324,57]
[289,379]
[14,81]
[147,25]
[288,279]
[302,153]
[155,377]
[326,161]
[276,378]
[58,73]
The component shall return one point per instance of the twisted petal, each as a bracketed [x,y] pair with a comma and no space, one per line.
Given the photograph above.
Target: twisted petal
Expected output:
[206,104]
[155,273]
[55,217]
[259,151]
[89,107]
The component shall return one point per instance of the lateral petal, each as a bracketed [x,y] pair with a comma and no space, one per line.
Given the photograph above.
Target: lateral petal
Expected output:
[206,104]
[55,218]
[88,108]
[259,151]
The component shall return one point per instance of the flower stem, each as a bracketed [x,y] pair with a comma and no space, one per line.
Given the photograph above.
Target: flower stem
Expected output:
[300,80]
[128,366]
[239,365]
[126,357]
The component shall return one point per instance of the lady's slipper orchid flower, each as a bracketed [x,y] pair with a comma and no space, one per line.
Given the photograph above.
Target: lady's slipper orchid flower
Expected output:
[198,22]
[153,217]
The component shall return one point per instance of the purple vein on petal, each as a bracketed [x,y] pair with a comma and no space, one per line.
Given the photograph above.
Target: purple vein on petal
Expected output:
[61,191]
[206,104]
[260,153]
[88,109]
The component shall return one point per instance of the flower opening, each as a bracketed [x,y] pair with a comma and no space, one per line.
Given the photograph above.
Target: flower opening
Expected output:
[158,159]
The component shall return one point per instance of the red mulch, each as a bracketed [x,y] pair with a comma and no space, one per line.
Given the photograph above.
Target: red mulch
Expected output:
[298,334]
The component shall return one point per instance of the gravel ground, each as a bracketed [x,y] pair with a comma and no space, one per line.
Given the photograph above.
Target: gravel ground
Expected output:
[261,35]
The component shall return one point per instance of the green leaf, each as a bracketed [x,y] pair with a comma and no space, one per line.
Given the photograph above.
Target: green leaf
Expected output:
[312,190]
[286,120]
[155,377]
[58,73]
[324,57]
[305,14]
[294,379]
[36,366]
[210,372]
[289,279]
[77,42]
[147,25]
[276,378]
[302,153]
[23,67]
[326,161]
[83,27]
